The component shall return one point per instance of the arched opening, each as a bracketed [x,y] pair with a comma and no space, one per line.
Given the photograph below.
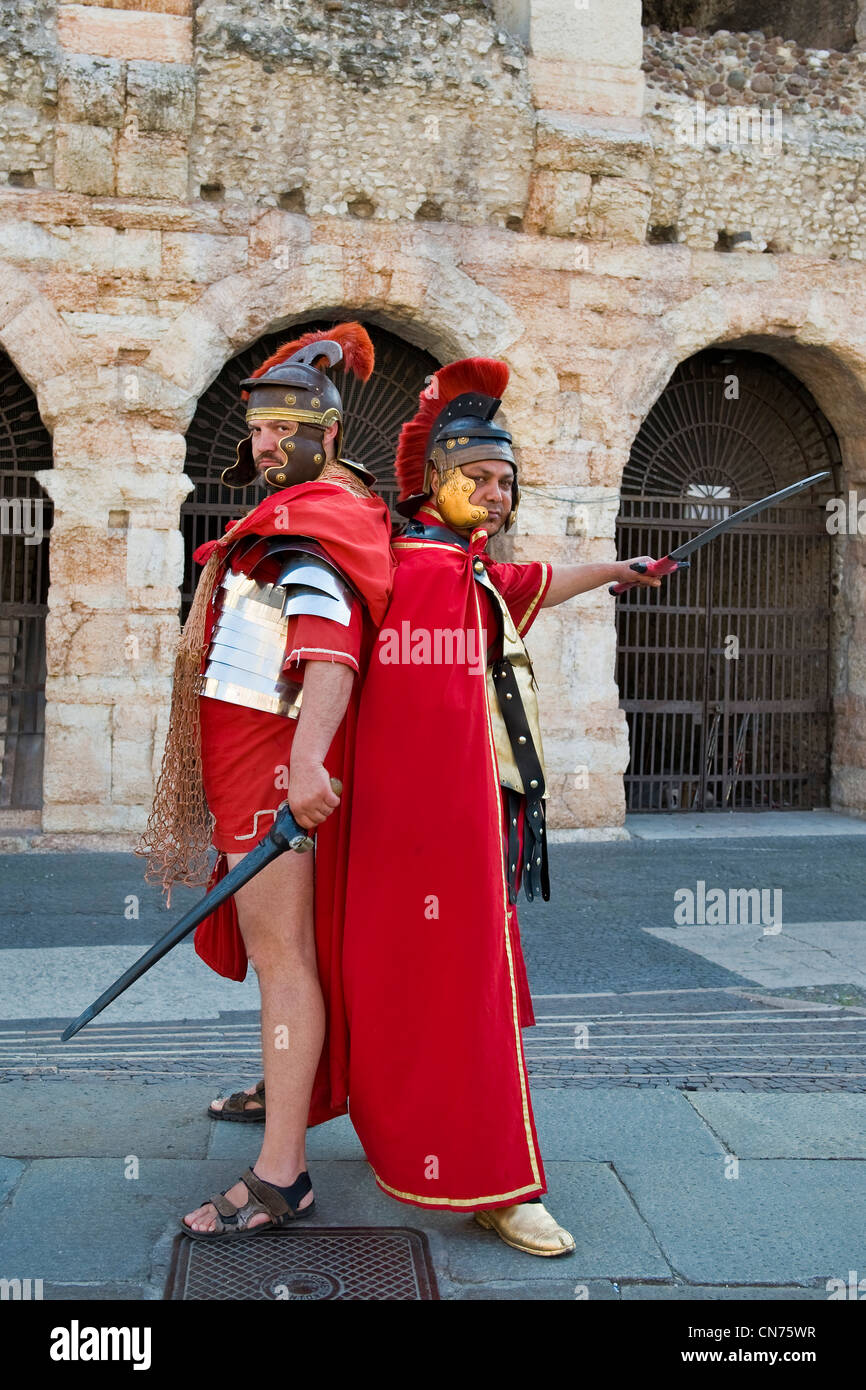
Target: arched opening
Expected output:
[374,413]
[25,524]
[724,673]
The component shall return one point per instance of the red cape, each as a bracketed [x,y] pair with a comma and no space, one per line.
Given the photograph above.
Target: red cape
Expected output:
[355,531]
[438,1091]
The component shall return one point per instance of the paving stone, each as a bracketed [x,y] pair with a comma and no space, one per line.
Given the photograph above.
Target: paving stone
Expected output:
[10,1172]
[596,1291]
[609,1125]
[47,1119]
[787,1126]
[779,1222]
[93,1293]
[78,1220]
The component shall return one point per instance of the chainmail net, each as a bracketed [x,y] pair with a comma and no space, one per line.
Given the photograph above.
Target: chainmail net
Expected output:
[178,834]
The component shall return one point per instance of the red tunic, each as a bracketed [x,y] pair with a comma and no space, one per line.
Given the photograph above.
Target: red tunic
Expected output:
[432,967]
[246,752]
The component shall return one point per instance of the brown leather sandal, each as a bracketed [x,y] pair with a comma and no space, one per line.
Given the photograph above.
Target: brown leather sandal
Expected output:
[279,1203]
[235,1107]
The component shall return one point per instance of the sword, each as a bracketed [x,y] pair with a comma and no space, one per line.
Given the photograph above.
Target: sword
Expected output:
[677,558]
[284,834]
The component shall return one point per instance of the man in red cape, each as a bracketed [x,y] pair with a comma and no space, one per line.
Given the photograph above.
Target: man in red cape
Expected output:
[278,638]
[434,980]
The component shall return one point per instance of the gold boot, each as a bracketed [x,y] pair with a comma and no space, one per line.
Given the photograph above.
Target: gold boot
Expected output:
[528,1226]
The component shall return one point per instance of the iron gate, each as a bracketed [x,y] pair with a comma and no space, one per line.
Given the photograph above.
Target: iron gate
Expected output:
[374,413]
[724,672]
[25,523]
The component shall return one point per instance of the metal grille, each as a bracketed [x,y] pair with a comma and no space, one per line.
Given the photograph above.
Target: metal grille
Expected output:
[374,413]
[724,673]
[340,1264]
[25,516]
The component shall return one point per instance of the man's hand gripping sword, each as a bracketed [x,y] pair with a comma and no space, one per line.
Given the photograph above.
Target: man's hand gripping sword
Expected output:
[284,834]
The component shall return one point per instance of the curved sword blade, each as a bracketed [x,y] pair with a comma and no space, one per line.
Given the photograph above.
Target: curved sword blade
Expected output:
[744,513]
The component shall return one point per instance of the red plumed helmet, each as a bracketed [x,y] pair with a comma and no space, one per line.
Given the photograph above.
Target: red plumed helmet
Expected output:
[353,338]
[473,387]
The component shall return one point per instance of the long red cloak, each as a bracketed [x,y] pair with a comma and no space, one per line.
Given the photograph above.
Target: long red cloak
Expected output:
[355,532]
[432,968]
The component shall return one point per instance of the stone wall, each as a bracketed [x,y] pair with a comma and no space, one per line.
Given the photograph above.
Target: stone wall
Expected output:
[205,179]
[365,110]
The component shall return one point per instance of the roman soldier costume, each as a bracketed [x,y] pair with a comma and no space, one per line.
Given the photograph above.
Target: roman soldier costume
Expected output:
[303,577]
[434,980]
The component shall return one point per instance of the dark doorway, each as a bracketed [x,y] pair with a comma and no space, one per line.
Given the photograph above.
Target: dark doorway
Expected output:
[374,413]
[25,523]
[723,673]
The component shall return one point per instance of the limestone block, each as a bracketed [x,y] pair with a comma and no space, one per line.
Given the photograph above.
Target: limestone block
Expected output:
[90,829]
[81,554]
[131,769]
[77,754]
[191,353]
[619,210]
[848,790]
[160,97]
[161,38]
[16,291]
[600,804]
[113,332]
[184,7]
[154,558]
[202,256]
[87,496]
[87,643]
[597,89]
[90,90]
[592,145]
[129,443]
[29,244]
[597,34]
[130,389]
[279,236]
[152,166]
[559,202]
[40,344]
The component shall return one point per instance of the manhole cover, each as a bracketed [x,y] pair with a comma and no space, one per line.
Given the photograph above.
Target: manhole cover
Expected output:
[338,1263]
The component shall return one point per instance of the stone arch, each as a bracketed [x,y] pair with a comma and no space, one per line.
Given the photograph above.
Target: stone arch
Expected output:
[35,338]
[25,531]
[815,336]
[414,291]
[818,339]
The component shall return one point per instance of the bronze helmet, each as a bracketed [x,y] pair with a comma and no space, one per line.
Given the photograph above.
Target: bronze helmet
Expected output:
[295,388]
[464,432]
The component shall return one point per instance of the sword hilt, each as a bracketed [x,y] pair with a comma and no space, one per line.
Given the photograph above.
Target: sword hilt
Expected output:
[656,568]
[302,843]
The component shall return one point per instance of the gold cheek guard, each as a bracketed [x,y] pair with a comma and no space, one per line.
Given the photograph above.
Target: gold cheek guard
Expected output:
[455,489]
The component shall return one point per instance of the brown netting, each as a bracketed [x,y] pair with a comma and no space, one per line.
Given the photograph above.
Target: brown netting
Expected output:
[179,830]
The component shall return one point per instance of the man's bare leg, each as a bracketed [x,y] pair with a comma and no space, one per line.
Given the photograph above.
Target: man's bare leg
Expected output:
[275,915]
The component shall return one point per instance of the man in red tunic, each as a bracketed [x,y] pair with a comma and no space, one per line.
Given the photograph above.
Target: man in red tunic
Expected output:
[264,709]
[435,986]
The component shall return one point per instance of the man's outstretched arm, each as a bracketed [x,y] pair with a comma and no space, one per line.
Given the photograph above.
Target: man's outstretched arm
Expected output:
[568,580]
